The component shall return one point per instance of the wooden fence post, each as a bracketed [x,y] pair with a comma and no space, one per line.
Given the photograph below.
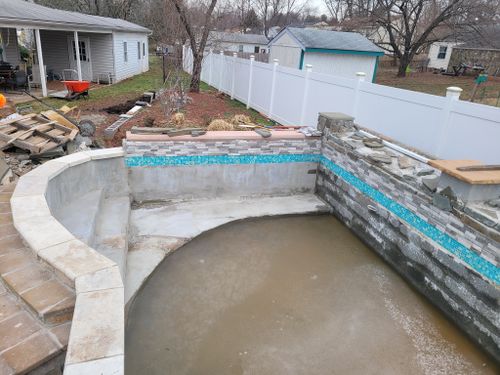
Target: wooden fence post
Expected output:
[235,55]
[305,94]
[250,81]
[452,96]
[273,86]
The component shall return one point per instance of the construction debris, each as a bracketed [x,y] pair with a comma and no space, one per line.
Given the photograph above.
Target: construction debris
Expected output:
[34,133]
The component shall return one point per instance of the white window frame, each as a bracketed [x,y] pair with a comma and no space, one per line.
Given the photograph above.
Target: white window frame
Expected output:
[138,50]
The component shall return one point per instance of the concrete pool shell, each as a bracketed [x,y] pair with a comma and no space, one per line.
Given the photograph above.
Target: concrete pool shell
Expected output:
[80,226]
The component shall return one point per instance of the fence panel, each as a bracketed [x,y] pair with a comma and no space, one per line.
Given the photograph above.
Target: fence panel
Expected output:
[328,94]
[412,118]
[288,95]
[261,87]
[441,126]
[241,82]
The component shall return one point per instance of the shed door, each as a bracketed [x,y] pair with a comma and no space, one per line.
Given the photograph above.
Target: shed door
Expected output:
[84,47]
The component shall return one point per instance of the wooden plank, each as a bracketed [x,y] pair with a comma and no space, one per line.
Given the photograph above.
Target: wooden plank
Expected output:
[472,177]
[53,115]
[31,115]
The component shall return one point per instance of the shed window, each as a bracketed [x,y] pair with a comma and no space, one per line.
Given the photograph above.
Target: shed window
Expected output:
[442,52]
[256,49]
[143,49]
[82,48]
[125,52]
[138,50]
[240,48]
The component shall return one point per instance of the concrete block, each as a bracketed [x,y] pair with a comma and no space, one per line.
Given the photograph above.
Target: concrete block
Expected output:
[105,366]
[75,159]
[98,327]
[29,206]
[106,278]
[73,258]
[31,184]
[41,232]
[49,169]
[106,153]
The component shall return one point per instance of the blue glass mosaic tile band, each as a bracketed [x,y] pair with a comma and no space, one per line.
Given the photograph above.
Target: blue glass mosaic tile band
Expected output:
[177,160]
[475,261]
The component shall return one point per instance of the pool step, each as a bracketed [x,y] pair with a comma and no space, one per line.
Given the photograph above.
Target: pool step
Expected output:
[80,216]
[35,306]
[111,235]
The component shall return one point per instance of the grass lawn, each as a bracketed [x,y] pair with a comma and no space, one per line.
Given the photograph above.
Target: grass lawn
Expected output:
[436,84]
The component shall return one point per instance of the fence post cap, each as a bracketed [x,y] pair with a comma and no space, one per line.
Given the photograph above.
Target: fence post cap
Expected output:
[360,74]
[221,52]
[235,54]
[309,67]
[454,89]
[252,57]
[276,61]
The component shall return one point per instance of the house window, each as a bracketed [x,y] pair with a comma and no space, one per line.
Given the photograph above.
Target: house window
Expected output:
[442,52]
[240,48]
[143,49]
[256,49]
[138,50]
[125,52]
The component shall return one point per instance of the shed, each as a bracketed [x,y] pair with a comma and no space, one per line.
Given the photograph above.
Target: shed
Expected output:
[108,49]
[331,52]
[237,42]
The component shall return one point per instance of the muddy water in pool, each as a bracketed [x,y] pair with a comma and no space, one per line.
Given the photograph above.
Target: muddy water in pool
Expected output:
[291,295]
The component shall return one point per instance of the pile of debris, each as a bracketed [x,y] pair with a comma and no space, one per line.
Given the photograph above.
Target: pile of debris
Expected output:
[28,140]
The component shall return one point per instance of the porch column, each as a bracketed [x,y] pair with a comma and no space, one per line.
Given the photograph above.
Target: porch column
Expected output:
[78,62]
[43,77]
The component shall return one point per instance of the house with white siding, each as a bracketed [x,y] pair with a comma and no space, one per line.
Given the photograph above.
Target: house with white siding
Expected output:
[330,52]
[237,42]
[108,50]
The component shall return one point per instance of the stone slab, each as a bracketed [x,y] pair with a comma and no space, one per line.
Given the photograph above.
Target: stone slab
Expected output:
[98,327]
[73,258]
[106,366]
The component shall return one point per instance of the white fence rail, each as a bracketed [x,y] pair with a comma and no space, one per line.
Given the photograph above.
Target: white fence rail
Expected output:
[445,127]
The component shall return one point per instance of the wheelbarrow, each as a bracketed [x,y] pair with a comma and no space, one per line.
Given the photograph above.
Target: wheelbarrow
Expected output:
[77,89]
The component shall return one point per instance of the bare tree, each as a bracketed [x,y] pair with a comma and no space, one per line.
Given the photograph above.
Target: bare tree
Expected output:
[197,43]
[411,25]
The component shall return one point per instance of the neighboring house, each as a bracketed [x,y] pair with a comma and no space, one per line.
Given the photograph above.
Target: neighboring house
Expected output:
[331,52]
[439,54]
[237,42]
[475,48]
[108,48]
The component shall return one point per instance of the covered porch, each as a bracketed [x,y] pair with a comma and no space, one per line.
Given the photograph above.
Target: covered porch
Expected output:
[50,56]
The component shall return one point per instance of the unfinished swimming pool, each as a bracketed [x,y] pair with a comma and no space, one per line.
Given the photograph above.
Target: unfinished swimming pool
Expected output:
[107,233]
[289,295]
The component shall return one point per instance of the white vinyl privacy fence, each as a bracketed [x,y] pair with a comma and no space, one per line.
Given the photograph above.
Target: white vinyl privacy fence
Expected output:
[445,127]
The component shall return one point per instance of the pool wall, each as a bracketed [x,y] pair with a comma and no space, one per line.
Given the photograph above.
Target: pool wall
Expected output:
[453,264]
[246,165]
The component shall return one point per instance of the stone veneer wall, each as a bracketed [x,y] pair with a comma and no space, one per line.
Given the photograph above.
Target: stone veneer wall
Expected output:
[452,264]
[157,169]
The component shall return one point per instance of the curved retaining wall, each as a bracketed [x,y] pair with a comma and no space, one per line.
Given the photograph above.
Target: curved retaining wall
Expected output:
[96,342]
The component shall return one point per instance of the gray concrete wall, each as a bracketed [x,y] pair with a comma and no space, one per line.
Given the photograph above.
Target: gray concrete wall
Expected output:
[151,179]
[108,175]
[465,295]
